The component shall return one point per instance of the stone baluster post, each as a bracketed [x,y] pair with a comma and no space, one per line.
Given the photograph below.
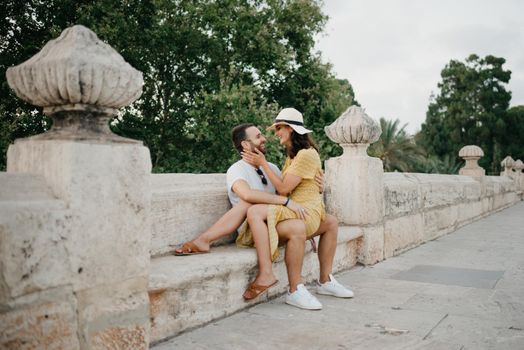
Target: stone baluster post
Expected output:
[507,167]
[354,181]
[81,82]
[519,176]
[471,154]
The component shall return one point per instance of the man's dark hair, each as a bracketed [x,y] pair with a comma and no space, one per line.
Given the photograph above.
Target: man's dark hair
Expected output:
[238,134]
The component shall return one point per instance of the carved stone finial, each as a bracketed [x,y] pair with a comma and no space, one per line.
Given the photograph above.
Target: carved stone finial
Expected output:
[507,166]
[518,165]
[471,151]
[507,163]
[471,154]
[354,130]
[79,80]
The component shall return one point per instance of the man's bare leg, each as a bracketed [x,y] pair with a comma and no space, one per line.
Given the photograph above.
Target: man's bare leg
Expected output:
[256,217]
[228,223]
[328,231]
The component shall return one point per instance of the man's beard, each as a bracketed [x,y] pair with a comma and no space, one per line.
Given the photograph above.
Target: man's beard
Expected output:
[259,147]
[262,150]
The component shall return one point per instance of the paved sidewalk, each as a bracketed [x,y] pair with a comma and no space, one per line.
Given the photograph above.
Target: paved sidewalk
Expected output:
[462,291]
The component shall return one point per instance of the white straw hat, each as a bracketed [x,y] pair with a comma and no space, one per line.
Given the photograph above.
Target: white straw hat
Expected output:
[291,117]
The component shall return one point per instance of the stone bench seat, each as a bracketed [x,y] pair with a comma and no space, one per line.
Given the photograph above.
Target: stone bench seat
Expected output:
[189,291]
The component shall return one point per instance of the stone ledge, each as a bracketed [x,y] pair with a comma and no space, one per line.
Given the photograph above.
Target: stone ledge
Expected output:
[18,187]
[190,291]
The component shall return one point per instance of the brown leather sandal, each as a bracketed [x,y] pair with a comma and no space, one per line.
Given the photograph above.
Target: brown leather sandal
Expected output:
[254,290]
[189,248]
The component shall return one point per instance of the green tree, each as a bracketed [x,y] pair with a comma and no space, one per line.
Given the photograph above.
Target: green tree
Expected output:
[197,58]
[469,109]
[512,139]
[397,150]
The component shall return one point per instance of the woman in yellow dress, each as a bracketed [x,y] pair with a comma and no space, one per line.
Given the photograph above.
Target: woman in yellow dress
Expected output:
[297,182]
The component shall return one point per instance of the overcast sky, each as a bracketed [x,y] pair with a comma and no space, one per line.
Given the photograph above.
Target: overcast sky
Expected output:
[392,51]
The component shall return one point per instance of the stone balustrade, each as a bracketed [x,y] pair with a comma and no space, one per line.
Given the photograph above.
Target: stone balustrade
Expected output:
[422,207]
[86,229]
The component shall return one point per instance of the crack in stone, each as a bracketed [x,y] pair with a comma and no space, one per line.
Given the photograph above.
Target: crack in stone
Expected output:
[435,326]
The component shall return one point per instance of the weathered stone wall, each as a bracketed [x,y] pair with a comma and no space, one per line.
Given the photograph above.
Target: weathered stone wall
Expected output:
[90,236]
[417,207]
[421,207]
[183,205]
[37,307]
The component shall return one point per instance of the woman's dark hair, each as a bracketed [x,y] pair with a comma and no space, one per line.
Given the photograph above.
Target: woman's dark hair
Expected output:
[299,142]
[238,134]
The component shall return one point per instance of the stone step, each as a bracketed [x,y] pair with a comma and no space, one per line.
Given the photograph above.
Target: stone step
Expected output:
[190,291]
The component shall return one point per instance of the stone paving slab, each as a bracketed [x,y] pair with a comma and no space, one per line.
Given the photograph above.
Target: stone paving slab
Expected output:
[392,313]
[451,276]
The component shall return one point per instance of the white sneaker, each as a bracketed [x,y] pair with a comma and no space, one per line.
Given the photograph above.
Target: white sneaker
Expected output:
[303,299]
[332,287]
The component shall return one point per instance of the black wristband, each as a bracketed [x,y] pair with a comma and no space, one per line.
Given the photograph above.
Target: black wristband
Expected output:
[286,203]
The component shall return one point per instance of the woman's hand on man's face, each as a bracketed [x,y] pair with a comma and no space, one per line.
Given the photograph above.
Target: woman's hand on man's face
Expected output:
[256,158]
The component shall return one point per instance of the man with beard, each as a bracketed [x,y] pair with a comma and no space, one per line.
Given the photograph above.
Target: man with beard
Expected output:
[249,185]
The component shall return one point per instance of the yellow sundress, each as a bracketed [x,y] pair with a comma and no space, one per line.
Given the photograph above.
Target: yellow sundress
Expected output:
[306,164]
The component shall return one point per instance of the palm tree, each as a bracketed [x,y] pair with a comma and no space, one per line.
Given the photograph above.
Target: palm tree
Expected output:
[434,165]
[397,150]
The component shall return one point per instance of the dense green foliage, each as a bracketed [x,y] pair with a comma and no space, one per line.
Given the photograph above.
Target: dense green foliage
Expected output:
[211,64]
[512,142]
[472,109]
[402,152]
[207,66]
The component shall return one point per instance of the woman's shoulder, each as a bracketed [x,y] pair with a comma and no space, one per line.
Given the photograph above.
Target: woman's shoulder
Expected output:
[309,153]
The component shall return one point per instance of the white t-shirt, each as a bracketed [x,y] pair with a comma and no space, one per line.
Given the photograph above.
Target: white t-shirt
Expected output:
[242,170]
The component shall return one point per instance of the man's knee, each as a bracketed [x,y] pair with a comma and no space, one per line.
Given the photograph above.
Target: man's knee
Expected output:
[244,205]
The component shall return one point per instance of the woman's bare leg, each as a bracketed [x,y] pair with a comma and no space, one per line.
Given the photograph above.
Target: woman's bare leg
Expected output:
[293,232]
[327,246]
[228,223]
